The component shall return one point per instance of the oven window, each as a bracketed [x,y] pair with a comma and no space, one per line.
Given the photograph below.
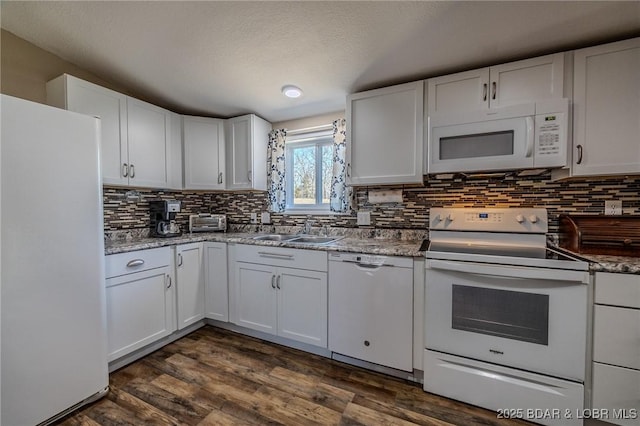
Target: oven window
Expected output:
[476,145]
[510,314]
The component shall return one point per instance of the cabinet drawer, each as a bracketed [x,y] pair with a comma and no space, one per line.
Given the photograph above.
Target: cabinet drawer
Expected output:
[618,289]
[616,336]
[280,256]
[136,261]
[617,390]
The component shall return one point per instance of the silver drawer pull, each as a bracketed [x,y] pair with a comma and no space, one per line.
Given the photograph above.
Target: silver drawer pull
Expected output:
[135,262]
[276,255]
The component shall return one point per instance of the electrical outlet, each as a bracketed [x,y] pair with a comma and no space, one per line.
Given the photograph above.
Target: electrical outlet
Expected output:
[613,207]
[254,217]
[265,218]
[364,218]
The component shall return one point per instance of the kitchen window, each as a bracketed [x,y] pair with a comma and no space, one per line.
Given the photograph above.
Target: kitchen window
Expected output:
[309,165]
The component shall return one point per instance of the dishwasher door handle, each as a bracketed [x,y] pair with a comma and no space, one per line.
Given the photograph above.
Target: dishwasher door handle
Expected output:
[368,265]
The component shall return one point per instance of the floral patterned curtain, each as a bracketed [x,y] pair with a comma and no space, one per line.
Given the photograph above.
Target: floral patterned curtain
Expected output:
[275,171]
[340,198]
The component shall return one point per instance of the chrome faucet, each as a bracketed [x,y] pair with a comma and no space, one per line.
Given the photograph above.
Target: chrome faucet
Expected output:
[306,229]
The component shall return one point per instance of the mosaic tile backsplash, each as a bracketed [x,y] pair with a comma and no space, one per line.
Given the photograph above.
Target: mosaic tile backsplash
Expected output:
[128,210]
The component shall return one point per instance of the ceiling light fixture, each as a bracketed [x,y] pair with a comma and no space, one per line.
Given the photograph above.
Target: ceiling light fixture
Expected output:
[291,91]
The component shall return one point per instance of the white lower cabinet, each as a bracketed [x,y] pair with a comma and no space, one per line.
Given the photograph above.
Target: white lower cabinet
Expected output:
[189,284]
[216,281]
[289,302]
[140,300]
[616,348]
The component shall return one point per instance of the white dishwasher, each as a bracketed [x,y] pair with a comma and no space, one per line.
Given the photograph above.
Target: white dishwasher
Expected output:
[371,308]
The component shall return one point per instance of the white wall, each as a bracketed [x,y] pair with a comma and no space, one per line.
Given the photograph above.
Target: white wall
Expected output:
[303,123]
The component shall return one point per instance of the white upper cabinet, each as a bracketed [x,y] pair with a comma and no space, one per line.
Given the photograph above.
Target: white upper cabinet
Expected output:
[507,84]
[83,97]
[175,152]
[134,134]
[149,130]
[247,138]
[385,135]
[607,109]
[204,146]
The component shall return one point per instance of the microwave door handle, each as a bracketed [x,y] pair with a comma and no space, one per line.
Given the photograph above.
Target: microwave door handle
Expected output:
[530,134]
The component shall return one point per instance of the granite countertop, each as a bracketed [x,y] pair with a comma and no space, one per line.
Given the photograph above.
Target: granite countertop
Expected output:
[380,246]
[386,245]
[616,264]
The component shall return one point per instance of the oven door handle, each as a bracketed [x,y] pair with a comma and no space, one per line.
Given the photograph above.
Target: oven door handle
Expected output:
[507,271]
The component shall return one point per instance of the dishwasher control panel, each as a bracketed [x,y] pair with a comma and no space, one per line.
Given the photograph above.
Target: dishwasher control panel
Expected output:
[371,260]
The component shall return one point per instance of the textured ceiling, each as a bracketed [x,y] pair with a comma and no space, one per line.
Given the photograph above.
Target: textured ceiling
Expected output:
[229,58]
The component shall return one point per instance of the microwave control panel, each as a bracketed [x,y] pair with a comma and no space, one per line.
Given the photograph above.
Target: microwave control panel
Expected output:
[550,140]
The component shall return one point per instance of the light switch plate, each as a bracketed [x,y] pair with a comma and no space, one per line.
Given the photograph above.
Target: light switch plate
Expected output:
[254,217]
[613,207]
[364,218]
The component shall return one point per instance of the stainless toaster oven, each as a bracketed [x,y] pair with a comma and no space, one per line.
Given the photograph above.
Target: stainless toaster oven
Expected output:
[207,222]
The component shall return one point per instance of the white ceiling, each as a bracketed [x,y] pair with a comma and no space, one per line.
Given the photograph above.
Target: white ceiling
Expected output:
[229,58]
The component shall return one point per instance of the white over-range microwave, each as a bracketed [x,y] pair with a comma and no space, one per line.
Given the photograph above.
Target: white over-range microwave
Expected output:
[525,136]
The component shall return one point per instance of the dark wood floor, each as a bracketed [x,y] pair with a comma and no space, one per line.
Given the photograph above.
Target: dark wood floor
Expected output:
[216,377]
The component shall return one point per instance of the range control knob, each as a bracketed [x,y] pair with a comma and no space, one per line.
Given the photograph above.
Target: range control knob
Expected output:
[450,217]
[533,218]
[437,218]
[520,218]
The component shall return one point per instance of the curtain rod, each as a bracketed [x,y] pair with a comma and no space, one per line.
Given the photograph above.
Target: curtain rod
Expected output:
[310,129]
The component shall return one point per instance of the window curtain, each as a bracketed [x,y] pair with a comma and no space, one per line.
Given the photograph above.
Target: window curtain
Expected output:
[276,170]
[340,197]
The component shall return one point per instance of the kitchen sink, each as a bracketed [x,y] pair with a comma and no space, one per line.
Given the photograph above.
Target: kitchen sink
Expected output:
[297,239]
[275,237]
[314,239]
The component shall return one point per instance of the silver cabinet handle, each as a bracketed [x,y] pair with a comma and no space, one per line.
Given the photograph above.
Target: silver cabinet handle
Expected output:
[493,90]
[169,279]
[179,259]
[249,175]
[135,262]
[125,170]
[484,92]
[579,154]
[278,281]
[220,177]
[132,171]
[349,169]
[273,278]
[276,255]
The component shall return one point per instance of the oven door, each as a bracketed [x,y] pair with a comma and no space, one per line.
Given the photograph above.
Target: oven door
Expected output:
[532,319]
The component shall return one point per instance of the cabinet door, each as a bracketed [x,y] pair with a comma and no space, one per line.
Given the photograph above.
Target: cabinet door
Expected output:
[111,107]
[216,281]
[190,284]
[256,297]
[617,390]
[385,135]
[238,151]
[607,109]
[139,310]
[174,159]
[622,347]
[302,305]
[464,91]
[148,132]
[527,80]
[203,153]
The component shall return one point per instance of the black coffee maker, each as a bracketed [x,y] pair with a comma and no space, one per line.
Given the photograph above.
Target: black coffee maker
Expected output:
[163,218]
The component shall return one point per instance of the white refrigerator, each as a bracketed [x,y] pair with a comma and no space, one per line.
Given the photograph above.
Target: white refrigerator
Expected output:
[53,344]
